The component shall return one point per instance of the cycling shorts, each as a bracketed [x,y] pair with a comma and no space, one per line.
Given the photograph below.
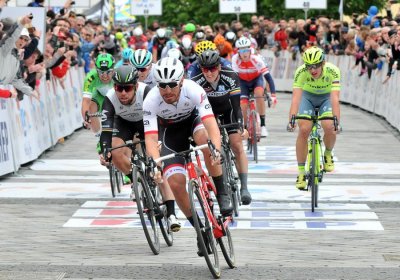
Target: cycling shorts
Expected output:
[247,87]
[126,130]
[309,101]
[175,138]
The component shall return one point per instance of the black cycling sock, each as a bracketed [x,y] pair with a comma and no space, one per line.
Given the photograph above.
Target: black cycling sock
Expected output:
[243,180]
[190,219]
[170,207]
[219,184]
[262,120]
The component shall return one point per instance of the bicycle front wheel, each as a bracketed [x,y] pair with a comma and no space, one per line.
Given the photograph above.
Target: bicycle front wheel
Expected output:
[226,244]
[144,202]
[229,180]
[254,133]
[113,179]
[313,177]
[204,229]
[119,180]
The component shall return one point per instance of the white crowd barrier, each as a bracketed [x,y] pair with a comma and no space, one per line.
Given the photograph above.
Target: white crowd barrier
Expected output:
[368,94]
[29,127]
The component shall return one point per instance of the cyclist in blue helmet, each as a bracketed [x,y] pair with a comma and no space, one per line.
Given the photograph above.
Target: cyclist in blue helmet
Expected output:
[126,55]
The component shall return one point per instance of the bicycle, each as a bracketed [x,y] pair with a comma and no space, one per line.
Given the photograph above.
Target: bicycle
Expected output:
[151,209]
[229,170]
[315,161]
[207,225]
[116,177]
[253,126]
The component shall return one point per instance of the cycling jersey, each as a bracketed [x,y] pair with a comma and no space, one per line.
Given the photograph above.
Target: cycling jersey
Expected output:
[329,80]
[95,89]
[249,70]
[150,80]
[225,95]
[137,43]
[192,97]
[195,70]
[112,108]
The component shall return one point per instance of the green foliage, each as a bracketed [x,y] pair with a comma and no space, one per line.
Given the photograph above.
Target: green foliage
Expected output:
[207,12]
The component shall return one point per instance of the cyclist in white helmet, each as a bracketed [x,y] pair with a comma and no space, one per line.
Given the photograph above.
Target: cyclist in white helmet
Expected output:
[138,40]
[178,109]
[188,53]
[142,60]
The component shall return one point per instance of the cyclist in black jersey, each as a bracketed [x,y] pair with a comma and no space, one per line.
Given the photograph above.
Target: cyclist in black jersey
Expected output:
[223,91]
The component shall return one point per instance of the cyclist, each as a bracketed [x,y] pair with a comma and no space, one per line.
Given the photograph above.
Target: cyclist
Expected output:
[138,40]
[159,42]
[251,69]
[142,60]
[316,84]
[223,91]
[202,46]
[181,109]
[97,83]
[188,53]
[224,47]
[125,57]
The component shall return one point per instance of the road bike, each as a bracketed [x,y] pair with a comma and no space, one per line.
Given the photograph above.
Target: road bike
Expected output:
[231,178]
[207,225]
[151,209]
[116,176]
[315,157]
[253,126]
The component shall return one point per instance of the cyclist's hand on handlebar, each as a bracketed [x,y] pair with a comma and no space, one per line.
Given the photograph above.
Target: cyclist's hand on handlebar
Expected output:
[103,161]
[216,159]
[290,127]
[274,99]
[156,172]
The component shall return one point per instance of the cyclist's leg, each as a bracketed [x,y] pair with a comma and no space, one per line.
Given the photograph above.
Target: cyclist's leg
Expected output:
[121,158]
[260,103]
[305,126]
[329,134]
[200,136]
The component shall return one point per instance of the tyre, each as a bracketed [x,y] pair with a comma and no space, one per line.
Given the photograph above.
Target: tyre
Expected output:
[204,227]
[163,220]
[119,180]
[144,202]
[113,180]
[226,245]
[254,133]
[313,178]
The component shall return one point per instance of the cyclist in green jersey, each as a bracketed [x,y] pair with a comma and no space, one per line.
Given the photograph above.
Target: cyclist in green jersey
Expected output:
[97,83]
[316,84]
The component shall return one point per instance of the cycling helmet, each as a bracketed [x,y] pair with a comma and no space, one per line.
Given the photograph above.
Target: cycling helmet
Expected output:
[168,70]
[313,55]
[219,40]
[104,62]
[137,31]
[119,35]
[125,75]
[203,46]
[160,33]
[200,35]
[174,53]
[209,58]
[190,27]
[243,42]
[187,43]
[126,54]
[141,58]
[230,36]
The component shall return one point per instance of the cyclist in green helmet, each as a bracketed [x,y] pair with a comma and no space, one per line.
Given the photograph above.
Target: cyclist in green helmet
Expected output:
[316,84]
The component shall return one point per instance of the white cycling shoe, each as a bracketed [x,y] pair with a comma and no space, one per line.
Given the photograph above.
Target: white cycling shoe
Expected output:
[264,131]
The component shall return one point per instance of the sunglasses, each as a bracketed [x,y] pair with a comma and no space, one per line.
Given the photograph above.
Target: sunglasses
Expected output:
[171,85]
[121,88]
[100,72]
[209,69]
[244,50]
[142,69]
[313,66]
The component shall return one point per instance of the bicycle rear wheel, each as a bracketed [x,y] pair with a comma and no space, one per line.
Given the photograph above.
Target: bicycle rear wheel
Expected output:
[119,180]
[113,179]
[229,179]
[313,177]
[163,220]
[254,133]
[226,244]
[204,228]
[144,202]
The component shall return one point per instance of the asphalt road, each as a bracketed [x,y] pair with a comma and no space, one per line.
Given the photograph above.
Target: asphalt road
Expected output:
[56,223]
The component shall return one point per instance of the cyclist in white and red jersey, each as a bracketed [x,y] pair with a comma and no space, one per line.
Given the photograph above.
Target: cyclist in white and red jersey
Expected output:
[251,69]
[138,40]
[180,109]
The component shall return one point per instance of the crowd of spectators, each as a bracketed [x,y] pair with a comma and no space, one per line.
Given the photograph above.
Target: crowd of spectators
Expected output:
[71,40]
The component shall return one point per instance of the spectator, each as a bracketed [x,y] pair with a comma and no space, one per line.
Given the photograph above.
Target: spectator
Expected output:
[36,3]
[281,37]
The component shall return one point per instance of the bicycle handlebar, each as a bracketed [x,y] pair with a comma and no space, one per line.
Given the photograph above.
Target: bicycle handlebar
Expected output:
[314,118]
[183,153]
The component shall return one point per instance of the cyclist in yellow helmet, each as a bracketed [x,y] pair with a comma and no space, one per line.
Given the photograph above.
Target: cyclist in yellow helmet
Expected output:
[316,84]
[202,46]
